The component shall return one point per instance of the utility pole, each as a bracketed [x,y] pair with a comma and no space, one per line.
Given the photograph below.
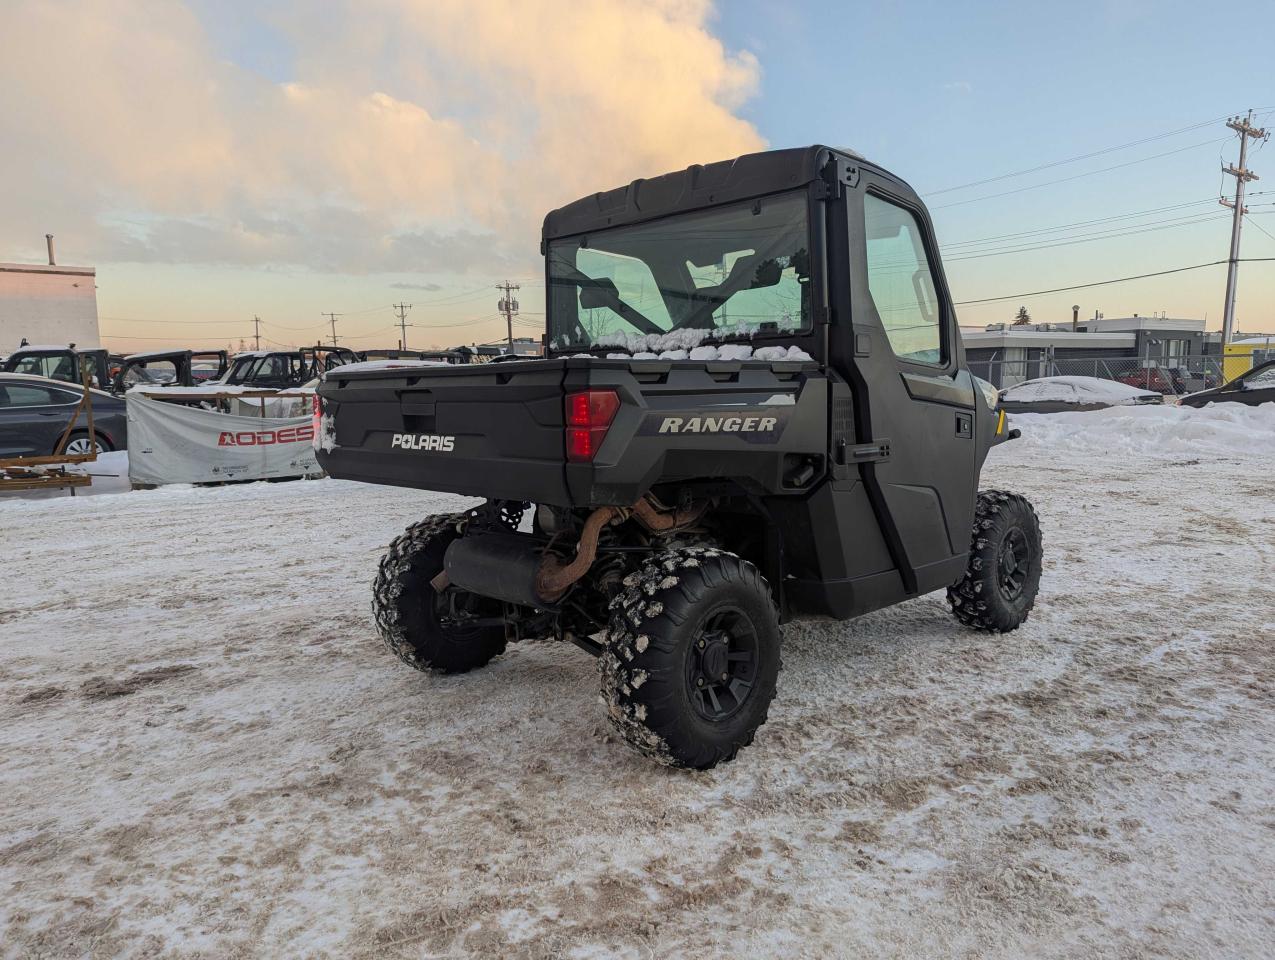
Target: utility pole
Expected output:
[332,319]
[401,309]
[509,307]
[256,331]
[1242,176]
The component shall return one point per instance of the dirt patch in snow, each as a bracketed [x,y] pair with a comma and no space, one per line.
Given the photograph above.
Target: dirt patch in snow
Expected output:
[103,688]
[228,764]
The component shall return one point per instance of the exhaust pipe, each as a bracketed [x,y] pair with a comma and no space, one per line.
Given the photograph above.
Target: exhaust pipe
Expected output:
[513,567]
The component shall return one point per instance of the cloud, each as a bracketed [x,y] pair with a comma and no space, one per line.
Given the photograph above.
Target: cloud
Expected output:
[410,136]
[431,287]
[959,86]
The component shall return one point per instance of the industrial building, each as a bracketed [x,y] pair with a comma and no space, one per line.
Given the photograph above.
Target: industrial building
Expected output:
[48,304]
[1006,354]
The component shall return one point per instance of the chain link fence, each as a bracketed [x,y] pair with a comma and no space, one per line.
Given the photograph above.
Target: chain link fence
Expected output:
[1171,376]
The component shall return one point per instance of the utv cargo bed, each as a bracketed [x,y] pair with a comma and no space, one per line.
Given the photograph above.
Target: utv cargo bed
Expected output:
[499,430]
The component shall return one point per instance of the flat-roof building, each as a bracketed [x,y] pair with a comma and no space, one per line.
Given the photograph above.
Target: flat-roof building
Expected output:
[48,303]
[1006,354]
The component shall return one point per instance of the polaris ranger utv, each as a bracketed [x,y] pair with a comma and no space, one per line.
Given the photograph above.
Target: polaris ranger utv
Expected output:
[754,407]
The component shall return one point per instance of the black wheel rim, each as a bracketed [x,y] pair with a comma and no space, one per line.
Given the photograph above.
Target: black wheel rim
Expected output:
[1013,563]
[721,665]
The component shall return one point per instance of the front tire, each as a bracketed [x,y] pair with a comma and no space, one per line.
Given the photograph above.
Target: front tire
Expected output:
[1000,584]
[416,621]
[691,657]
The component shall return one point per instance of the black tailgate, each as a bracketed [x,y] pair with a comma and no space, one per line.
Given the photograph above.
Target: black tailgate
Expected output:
[484,430]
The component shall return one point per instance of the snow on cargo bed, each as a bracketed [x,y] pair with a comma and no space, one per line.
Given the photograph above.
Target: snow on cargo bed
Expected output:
[206,751]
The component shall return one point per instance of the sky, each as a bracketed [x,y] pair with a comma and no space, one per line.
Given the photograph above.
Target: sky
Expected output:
[220,159]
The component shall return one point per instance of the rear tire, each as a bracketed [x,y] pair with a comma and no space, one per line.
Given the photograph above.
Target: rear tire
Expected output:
[412,617]
[1000,584]
[692,657]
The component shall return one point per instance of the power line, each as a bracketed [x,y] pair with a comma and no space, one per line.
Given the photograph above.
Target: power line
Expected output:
[1083,156]
[1102,283]
[1079,223]
[1264,230]
[183,322]
[1103,235]
[1078,176]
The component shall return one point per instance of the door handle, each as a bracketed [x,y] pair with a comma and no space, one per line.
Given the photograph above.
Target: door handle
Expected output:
[965,426]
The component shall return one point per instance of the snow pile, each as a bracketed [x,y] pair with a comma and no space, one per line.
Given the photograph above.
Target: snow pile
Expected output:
[1224,429]
[1077,390]
[727,351]
[685,338]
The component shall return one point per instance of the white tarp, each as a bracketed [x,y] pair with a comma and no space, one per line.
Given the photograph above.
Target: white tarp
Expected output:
[174,443]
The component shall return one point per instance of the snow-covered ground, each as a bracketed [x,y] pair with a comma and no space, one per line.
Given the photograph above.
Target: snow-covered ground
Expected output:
[204,751]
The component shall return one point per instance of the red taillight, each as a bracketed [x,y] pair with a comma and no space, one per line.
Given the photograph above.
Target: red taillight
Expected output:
[592,408]
[589,415]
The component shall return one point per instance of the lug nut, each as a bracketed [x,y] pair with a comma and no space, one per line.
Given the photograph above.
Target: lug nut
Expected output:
[699,681]
[701,643]
[725,675]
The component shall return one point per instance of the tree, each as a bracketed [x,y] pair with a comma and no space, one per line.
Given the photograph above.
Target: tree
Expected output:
[1022,317]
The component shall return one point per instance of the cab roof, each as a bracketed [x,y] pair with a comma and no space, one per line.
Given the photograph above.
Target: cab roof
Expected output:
[698,186]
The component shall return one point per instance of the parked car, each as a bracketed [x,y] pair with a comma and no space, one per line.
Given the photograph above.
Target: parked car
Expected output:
[1253,388]
[34,413]
[1059,394]
[1162,380]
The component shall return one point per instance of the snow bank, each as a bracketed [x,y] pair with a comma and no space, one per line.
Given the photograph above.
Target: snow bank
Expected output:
[1224,429]
[1076,390]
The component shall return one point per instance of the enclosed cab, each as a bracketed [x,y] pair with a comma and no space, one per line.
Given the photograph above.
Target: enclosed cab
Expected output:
[61,363]
[178,368]
[284,369]
[754,406]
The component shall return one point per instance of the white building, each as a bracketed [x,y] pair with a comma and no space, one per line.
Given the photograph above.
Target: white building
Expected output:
[47,304]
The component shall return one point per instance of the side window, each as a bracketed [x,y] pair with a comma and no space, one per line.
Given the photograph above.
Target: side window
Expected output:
[901,282]
[21,395]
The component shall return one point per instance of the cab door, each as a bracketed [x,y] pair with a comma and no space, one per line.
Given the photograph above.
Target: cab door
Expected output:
[917,416]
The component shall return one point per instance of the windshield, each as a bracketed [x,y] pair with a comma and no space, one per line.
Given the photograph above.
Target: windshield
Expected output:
[732,271]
